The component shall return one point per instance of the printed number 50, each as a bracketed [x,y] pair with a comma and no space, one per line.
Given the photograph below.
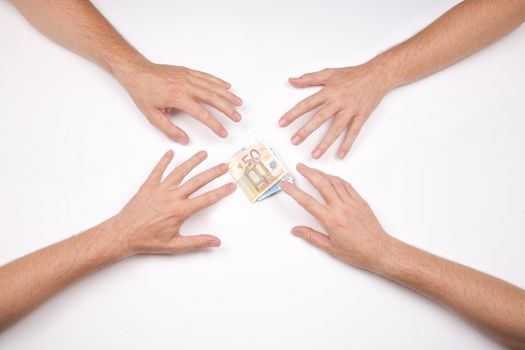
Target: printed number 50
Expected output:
[254,157]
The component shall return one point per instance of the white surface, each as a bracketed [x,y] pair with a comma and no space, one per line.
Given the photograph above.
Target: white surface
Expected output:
[441,161]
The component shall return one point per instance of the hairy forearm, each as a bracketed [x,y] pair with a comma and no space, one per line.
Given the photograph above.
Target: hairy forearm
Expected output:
[463,30]
[488,302]
[27,282]
[80,27]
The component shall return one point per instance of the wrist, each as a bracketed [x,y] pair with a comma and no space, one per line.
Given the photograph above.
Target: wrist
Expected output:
[124,70]
[114,233]
[388,68]
[390,263]
[381,256]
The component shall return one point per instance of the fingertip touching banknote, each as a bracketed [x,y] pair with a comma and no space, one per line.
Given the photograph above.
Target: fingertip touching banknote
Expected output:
[258,171]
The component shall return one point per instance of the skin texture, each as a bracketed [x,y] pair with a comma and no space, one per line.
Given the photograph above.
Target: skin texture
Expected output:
[355,236]
[156,89]
[349,95]
[149,224]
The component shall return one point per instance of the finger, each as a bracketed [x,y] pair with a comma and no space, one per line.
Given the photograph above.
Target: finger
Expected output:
[314,237]
[179,173]
[301,108]
[314,123]
[217,102]
[353,193]
[320,181]
[183,244]
[202,179]
[205,117]
[353,130]
[337,128]
[340,188]
[304,200]
[161,121]
[209,198]
[211,78]
[312,79]
[219,90]
[156,174]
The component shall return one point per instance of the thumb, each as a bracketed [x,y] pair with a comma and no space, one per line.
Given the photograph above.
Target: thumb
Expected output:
[161,121]
[314,237]
[183,244]
[312,79]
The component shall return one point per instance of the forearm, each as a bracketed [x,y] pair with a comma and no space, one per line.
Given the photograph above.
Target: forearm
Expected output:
[488,302]
[80,27]
[27,282]
[463,30]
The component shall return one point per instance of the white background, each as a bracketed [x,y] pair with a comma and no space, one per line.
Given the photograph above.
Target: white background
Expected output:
[440,162]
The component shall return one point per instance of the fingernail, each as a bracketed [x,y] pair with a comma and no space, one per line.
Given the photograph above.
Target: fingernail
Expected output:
[282,122]
[232,186]
[223,167]
[296,139]
[317,153]
[202,154]
[214,243]
[223,133]
[341,154]
[238,100]
[237,116]
[181,139]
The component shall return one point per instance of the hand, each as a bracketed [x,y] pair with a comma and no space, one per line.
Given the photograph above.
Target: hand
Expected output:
[354,235]
[151,221]
[156,89]
[349,96]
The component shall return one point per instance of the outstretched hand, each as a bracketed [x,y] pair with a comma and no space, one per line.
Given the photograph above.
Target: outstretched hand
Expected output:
[353,233]
[157,89]
[151,221]
[349,95]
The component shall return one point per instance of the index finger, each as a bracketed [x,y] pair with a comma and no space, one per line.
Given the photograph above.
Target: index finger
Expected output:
[301,108]
[319,180]
[304,200]
[209,198]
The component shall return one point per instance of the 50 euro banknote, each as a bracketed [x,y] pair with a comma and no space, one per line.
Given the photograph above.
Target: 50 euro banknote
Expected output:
[258,171]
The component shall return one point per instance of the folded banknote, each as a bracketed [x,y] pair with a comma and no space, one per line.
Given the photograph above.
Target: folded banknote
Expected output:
[258,171]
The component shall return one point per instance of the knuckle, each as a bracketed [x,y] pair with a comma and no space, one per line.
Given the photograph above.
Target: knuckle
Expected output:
[338,129]
[181,211]
[322,180]
[302,133]
[200,179]
[201,243]
[206,116]
[209,95]
[307,201]
[213,197]
[178,94]
[303,104]
[307,236]
[338,180]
